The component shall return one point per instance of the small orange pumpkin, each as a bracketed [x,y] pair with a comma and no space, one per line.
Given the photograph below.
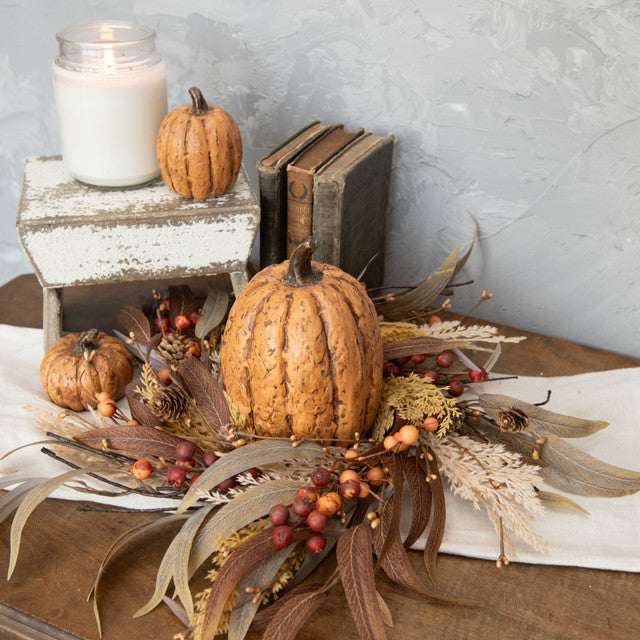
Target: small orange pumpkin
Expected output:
[199,149]
[78,366]
[302,353]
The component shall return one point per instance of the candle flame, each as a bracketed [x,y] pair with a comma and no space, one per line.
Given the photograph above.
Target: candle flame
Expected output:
[108,58]
[106,33]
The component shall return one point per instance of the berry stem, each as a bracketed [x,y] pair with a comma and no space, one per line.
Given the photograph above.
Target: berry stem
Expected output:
[117,457]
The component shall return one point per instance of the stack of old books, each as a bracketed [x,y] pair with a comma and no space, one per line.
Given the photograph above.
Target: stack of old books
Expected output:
[332,184]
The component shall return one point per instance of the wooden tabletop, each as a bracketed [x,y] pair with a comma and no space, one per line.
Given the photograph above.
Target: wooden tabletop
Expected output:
[63,548]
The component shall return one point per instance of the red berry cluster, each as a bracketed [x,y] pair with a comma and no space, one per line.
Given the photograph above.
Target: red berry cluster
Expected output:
[438,373]
[190,462]
[316,504]
[181,322]
[311,508]
[188,459]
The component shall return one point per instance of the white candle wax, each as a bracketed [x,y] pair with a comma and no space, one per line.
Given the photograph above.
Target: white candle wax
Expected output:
[109,121]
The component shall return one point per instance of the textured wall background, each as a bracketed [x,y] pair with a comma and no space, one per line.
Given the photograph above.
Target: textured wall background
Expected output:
[524,114]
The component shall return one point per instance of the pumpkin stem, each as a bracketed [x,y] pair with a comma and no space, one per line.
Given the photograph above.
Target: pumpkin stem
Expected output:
[200,106]
[300,270]
[86,341]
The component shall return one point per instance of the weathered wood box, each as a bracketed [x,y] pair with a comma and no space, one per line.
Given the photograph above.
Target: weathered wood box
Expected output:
[77,235]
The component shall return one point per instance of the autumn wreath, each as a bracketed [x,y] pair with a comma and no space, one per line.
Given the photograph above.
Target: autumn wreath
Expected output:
[287,425]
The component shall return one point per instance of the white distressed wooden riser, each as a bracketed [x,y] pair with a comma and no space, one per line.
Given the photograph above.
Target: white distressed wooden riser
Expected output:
[78,235]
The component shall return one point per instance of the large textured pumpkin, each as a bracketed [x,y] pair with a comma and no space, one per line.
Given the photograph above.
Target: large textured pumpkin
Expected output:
[80,365]
[301,352]
[199,149]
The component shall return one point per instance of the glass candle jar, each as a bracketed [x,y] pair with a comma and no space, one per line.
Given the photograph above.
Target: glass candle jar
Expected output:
[111,97]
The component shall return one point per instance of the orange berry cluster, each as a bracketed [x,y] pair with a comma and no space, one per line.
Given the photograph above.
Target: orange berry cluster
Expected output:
[106,404]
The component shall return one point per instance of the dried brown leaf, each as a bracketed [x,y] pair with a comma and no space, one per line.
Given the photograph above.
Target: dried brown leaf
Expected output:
[252,504]
[174,565]
[163,579]
[213,311]
[138,409]
[556,423]
[141,412]
[387,618]
[133,439]
[131,319]
[355,565]
[582,467]
[153,343]
[392,507]
[32,499]
[255,454]
[182,553]
[207,393]
[420,496]
[556,500]
[438,521]
[16,478]
[460,264]
[332,532]
[177,610]
[579,487]
[292,615]
[125,539]
[247,605]
[396,563]
[181,301]
[240,560]
[420,297]
[262,618]
[12,499]
[411,346]
[520,442]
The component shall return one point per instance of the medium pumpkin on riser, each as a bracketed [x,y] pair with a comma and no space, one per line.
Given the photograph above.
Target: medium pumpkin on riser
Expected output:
[302,353]
[64,371]
[199,149]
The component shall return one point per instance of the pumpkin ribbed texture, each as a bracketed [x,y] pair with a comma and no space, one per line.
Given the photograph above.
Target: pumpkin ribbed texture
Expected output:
[199,150]
[304,359]
[65,376]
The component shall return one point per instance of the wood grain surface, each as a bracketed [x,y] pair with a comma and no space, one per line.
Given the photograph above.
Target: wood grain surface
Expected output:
[62,550]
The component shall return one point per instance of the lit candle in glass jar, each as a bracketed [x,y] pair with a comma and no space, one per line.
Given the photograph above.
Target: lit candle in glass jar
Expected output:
[110,87]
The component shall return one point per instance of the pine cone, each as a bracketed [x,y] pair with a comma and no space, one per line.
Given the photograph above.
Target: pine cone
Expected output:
[169,404]
[513,419]
[173,348]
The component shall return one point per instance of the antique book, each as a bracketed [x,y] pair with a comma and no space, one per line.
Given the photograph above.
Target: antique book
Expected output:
[300,181]
[272,179]
[350,201]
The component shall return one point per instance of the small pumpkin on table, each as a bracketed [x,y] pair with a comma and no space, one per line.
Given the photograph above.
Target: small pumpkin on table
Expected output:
[80,369]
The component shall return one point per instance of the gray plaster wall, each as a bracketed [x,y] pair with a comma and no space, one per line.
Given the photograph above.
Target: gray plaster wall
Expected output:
[523,115]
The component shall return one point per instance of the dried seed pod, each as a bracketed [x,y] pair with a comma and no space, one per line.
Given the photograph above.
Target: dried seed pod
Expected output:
[169,404]
[513,419]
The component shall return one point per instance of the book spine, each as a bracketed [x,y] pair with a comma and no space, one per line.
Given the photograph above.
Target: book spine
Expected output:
[271,217]
[365,207]
[327,220]
[299,206]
